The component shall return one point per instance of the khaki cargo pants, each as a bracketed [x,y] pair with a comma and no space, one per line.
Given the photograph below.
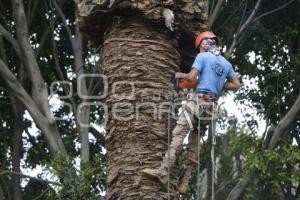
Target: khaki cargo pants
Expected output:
[197,106]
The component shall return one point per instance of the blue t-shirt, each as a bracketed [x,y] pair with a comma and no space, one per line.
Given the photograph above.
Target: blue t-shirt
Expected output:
[213,71]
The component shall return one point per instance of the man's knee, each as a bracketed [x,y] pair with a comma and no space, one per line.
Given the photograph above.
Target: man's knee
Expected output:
[181,129]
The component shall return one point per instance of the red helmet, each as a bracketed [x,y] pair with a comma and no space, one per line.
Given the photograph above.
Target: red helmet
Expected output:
[204,35]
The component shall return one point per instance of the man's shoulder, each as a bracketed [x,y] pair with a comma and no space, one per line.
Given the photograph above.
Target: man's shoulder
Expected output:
[205,55]
[224,60]
[208,54]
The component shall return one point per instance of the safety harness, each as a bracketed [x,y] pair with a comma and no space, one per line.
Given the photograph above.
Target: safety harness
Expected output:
[189,115]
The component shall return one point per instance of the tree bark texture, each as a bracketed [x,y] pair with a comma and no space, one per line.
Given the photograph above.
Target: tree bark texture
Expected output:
[84,114]
[144,58]
[16,153]
[95,16]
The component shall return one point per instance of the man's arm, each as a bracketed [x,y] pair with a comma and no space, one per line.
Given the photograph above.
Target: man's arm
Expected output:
[192,75]
[232,83]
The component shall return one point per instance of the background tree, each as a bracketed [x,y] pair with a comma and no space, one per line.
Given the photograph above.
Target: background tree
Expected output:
[40,45]
[47,48]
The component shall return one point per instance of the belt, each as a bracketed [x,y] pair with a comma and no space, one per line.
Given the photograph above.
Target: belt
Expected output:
[203,95]
[208,95]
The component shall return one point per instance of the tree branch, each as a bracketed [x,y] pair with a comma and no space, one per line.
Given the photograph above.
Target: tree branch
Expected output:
[266,129]
[1,194]
[5,187]
[64,21]
[274,135]
[250,18]
[40,93]
[17,145]
[284,126]
[242,28]
[98,135]
[244,15]
[31,12]
[5,172]
[268,137]
[42,194]
[62,76]
[230,17]
[212,5]
[50,131]
[213,16]
[6,34]
[31,139]
[84,113]
[272,11]
[238,191]
[43,41]
[2,50]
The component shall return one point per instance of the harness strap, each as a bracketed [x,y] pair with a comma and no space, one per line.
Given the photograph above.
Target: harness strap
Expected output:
[188,115]
[188,119]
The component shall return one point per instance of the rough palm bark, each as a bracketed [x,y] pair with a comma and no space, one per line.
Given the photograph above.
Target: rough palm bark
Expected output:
[146,59]
[140,50]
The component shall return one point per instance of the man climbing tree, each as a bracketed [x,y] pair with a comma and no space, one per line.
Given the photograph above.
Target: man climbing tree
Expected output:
[142,44]
[212,69]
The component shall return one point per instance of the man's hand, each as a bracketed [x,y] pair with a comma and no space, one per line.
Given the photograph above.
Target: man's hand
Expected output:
[178,75]
[232,84]
[190,76]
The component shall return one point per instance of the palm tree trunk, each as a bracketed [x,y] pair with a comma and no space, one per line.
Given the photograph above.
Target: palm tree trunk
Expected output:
[144,58]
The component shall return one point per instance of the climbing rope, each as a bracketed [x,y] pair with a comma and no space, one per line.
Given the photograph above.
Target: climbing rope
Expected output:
[168,129]
[175,83]
[198,148]
[213,144]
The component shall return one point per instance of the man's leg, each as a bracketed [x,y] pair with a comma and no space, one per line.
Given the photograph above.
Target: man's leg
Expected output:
[191,160]
[179,133]
[186,119]
[192,152]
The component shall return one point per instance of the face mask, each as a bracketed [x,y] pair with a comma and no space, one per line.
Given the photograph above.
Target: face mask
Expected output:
[210,45]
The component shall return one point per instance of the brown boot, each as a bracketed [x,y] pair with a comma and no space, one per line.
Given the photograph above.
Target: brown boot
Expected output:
[156,173]
[183,187]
